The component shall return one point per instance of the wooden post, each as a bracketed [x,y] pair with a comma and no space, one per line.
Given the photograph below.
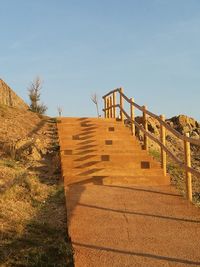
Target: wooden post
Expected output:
[111,109]
[114,103]
[145,125]
[132,112]
[105,105]
[188,164]
[163,141]
[121,105]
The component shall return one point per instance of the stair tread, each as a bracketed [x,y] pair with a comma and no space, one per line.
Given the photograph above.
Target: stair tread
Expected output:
[90,151]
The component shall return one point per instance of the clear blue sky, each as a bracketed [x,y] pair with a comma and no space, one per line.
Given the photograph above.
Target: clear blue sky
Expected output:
[150,47]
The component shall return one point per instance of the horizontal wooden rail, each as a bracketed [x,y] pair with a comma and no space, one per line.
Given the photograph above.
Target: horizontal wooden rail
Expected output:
[111,92]
[112,106]
[144,128]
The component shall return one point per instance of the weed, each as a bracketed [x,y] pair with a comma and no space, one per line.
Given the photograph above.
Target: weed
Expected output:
[155,154]
[8,163]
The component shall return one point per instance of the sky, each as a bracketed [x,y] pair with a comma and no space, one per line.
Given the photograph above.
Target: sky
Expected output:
[151,48]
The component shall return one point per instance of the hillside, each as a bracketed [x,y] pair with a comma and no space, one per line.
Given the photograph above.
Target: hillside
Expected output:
[21,128]
[183,124]
[32,202]
[9,98]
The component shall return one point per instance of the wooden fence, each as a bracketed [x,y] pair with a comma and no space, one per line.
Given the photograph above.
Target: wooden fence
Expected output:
[110,108]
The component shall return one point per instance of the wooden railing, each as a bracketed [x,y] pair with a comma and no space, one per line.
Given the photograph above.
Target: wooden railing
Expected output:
[110,108]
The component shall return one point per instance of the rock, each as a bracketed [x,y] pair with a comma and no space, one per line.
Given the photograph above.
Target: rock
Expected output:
[153,126]
[23,144]
[194,135]
[35,154]
[184,124]
[40,147]
[30,149]
[170,123]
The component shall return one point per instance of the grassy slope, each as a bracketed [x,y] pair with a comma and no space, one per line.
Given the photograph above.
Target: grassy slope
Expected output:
[177,175]
[33,230]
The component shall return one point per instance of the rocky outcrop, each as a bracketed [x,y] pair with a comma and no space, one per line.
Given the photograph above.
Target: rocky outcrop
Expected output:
[181,123]
[9,98]
[185,124]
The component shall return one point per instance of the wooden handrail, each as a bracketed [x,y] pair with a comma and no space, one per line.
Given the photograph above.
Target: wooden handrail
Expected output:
[186,165]
[111,92]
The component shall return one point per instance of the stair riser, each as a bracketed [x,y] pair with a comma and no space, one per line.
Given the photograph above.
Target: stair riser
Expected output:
[122,162]
[105,172]
[106,151]
[136,165]
[119,158]
[96,136]
[113,147]
[100,142]
[137,180]
[93,127]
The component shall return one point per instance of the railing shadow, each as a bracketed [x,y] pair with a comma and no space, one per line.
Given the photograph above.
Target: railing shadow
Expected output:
[139,254]
[134,213]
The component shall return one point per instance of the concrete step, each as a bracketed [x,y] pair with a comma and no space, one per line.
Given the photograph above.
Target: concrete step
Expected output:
[92,126]
[109,164]
[101,144]
[87,120]
[114,171]
[98,135]
[99,141]
[104,151]
[120,157]
[117,180]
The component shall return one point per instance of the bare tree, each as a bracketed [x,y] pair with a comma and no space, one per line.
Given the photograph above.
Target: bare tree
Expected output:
[34,95]
[60,110]
[95,100]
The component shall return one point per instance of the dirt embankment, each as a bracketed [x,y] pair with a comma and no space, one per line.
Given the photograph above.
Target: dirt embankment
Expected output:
[32,203]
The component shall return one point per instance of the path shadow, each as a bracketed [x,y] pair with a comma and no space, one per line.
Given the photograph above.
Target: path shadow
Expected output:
[37,128]
[140,214]
[145,190]
[44,240]
[139,254]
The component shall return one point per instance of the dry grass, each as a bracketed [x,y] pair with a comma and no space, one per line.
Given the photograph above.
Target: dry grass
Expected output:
[177,175]
[33,222]
[33,230]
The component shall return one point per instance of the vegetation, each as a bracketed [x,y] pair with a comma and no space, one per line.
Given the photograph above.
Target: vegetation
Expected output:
[60,110]
[95,100]
[177,175]
[34,95]
[33,220]
[33,215]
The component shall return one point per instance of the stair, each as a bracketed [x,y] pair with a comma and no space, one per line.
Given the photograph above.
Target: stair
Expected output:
[103,151]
